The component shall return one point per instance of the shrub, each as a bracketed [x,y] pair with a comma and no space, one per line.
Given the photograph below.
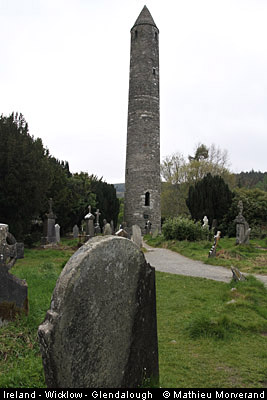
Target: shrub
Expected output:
[180,228]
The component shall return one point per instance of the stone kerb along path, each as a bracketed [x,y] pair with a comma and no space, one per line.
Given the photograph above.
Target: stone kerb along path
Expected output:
[169,261]
[101,329]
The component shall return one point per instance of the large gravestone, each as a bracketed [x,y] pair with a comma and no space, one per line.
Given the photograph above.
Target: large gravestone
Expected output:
[101,329]
[13,291]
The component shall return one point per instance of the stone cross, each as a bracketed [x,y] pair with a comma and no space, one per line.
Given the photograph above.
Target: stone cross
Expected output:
[97,226]
[50,201]
[89,218]
[240,207]
[97,213]
[242,227]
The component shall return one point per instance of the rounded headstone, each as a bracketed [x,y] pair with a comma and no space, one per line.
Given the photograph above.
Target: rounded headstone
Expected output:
[101,328]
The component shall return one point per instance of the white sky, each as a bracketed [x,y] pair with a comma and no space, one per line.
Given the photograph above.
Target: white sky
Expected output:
[65,67]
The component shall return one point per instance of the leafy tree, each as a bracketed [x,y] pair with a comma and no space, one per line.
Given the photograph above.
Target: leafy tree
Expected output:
[179,174]
[255,206]
[211,197]
[252,180]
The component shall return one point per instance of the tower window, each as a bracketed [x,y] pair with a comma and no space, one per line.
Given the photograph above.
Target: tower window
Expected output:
[154,71]
[147,199]
[156,35]
[135,34]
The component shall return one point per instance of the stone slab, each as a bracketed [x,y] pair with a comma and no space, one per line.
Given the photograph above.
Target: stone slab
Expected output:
[101,330]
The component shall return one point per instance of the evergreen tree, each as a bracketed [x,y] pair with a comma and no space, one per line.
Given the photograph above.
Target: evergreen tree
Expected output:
[106,200]
[23,174]
[211,197]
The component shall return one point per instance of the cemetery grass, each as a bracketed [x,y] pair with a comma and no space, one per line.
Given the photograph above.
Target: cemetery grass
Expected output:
[250,258]
[209,335]
[203,341]
[20,358]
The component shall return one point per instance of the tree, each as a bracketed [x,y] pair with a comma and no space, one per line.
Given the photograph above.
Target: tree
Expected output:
[255,206]
[176,169]
[106,200]
[179,174]
[211,197]
[23,174]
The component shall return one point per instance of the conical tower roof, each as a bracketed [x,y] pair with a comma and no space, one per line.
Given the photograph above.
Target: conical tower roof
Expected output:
[145,18]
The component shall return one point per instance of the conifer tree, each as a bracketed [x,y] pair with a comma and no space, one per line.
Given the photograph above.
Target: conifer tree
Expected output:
[211,197]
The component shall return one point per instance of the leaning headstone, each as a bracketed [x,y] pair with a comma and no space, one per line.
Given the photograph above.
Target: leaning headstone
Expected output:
[137,235]
[75,231]
[237,275]
[13,291]
[49,226]
[212,252]
[242,227]
[101,331]
[57,229]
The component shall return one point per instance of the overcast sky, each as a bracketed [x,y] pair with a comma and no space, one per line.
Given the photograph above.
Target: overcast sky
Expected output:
[65,67]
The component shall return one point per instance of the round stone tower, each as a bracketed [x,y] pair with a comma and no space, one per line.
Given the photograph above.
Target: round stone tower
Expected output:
[142,174]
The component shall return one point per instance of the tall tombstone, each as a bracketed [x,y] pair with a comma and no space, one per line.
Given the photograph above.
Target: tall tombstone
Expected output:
[137,235]
[49,226]
[13,291]
[57,229]
[101,329]
[89,219]
[242,227]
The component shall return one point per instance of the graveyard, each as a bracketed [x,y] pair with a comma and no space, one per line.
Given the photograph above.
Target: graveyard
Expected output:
[80,304]
[210,334]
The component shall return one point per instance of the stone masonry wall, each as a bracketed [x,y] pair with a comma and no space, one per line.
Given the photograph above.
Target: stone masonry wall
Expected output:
[142,173]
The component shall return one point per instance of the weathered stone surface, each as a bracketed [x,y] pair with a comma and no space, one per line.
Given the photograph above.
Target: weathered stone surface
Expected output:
[13,291]
[122,233]
[57,230]
[107,228]
[137,236]
[13,296]
[75,231]
[49,226]
[242,227]
[101,328]
[237,275]
[142,172]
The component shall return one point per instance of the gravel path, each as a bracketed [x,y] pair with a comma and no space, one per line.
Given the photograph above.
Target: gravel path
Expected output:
[168,261]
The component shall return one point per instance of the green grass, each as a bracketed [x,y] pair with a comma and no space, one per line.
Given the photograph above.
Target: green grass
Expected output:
[209,335]
[20,359]
[205,341]
[250,258]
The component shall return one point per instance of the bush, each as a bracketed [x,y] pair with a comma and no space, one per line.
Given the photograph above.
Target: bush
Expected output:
[180,228]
